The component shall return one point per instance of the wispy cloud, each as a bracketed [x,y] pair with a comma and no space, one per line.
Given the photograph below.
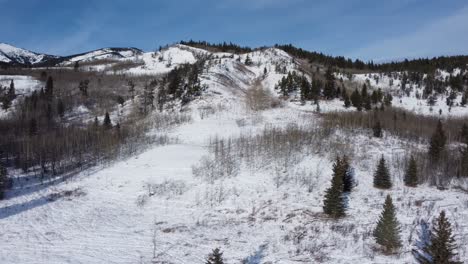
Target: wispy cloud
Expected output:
[445,36]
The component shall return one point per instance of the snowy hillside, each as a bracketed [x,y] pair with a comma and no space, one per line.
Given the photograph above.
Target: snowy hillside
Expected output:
[102,54]
[216,170]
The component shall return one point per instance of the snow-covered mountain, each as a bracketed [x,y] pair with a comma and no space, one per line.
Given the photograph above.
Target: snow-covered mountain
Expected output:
[13,55]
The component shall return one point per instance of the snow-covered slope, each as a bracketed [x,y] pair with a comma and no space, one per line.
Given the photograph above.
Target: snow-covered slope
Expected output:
[102,54]
[13,55]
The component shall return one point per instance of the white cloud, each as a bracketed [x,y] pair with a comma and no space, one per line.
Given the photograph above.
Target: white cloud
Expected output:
[446,36]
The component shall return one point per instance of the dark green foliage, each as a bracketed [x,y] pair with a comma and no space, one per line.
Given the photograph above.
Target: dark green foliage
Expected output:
[11,91]
[83,86]
[347,101]
[334,203]
[3,181]
[60,108]
[248,61]
[411,174]
[347,174]
[222,47]
[464,134]
[182,83]
[377,129]
[216,257]
[442,247]
[49,88]
[387,231]
[387,100]
[437,143]
[382,176]
[356,100]
[107,122]
[330,90]
[32,127]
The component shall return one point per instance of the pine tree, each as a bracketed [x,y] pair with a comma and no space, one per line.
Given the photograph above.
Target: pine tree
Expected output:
[107,122]
[334,203]
[377,129]
[248,61]
[347,102]
[49,89]
[3,181]
[356,100]
[329,90]
[60,108]
[382,176]
[387,231]
[442,246]
[11,91]
[347,174]
[32,127]
[216,257]
[437,143]
[411,175]
[464,134]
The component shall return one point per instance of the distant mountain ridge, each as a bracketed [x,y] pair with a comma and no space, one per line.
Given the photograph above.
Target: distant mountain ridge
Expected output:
[14,56]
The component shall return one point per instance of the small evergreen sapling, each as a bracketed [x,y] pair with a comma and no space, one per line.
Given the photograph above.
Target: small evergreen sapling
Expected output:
[216,257]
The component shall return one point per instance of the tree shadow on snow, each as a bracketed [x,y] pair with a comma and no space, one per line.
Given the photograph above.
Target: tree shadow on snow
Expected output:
[256,257]
[14,209]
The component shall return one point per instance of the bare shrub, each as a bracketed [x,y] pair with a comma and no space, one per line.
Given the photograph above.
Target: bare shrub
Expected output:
[167,188]
[258,98]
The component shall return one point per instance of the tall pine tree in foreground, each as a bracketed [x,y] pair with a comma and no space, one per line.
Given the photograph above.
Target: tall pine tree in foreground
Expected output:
[411,174]
[216,257]
[387,231]
[334,203]
[382,176]
[437,143]
[441,249]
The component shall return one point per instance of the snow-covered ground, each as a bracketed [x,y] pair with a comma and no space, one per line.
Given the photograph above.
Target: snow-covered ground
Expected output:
[110,216]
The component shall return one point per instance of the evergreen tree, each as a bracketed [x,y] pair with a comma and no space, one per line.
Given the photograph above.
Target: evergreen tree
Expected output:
[437,143]
[330,90]
[60,108]
[356,100]
[347,174]
[441,249]
[347,102]
[11,91]
[377,129]
[32,127]
[382,176]
[49,89]
[387,231]
[3,181]
[334,203]
[411,175]
[107,122]
[248,61]
[464,134]
[216,257]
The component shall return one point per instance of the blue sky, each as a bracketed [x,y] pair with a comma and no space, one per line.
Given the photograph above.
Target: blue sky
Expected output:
[366,29]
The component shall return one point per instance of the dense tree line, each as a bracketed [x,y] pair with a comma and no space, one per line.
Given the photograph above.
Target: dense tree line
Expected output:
[222,47]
